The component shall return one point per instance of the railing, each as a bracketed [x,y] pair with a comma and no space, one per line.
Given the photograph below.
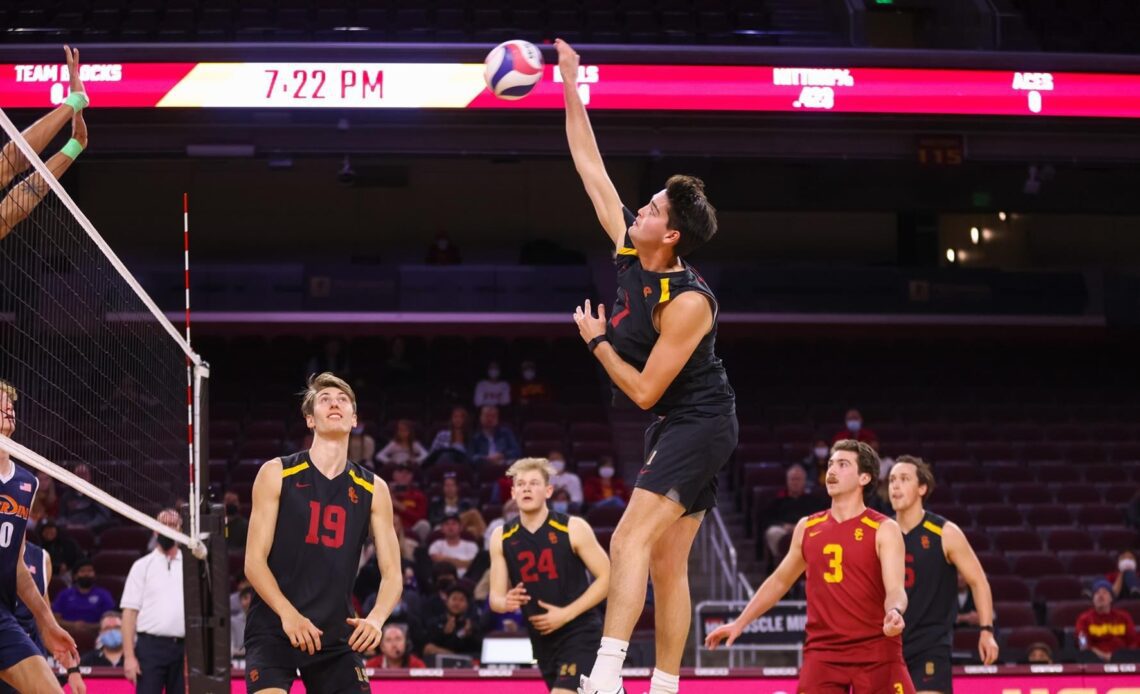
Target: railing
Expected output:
[718,561]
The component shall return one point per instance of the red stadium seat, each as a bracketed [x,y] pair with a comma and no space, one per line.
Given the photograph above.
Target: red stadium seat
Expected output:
[1132,607]
[590,450]
[1062,614]
[130,537]
[1086,562]
[1054,473]
[1119,493]
[966,640]
[1017,540]
[1008,473]
[1027,493]
[1051,588]
[590,431]
[1100,514]
[1038,515]
[998,515]
[1014,614]
[978,493]
[1037,564]
[1069,539]
[540,448]
[979,539]
[82,536]
[766,474]
[994,563]
[1077,494]
[760,452]
[550,431]
[1083,453]
[265,429]
[115,562]
[1109,474]
[1008,588]
[1023,637]
[1118,539]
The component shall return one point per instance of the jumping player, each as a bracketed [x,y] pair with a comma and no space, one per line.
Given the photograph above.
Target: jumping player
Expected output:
[853,556]
[544,555]
[657,348]
[311,515]
[22,665]
[23,198]
[936,552]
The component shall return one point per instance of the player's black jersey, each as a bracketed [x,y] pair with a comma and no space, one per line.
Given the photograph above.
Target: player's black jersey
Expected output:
[931,588]
[546,565]
[322,525]
[702,383]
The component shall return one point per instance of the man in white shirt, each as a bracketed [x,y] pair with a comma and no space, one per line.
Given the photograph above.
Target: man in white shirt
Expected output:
[153,609]
[493,390]
[452,548]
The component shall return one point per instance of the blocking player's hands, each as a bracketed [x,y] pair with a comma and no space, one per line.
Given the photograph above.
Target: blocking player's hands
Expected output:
[366,634]
[302,633]
[590,325]
[987,648]
[131,669]
[550,621]
[730,631]
[893,623]
[567,62]
[72,56]
[517,597]
[59,642]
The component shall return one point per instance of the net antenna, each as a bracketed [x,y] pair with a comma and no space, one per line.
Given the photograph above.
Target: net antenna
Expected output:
[101,373]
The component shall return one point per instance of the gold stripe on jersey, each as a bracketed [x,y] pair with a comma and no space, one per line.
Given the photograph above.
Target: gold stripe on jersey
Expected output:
[558,526]
[867,521]
[664,290]
[815,521]
[361,481]
[510,532]
[627,251]
[295,469]
[937,530]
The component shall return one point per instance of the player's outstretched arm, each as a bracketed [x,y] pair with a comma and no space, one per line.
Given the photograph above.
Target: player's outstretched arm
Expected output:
[502,597]
[892,562]
[684,322]
[584,149]
[302,633]
[367,631]
[771,590]
[58,641]
[30,192]
[959,553]
[585,544]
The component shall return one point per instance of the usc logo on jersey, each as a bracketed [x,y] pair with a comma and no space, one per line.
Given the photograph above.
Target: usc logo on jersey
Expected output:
[926,542]
[352,495]
[858,534]
[553,538]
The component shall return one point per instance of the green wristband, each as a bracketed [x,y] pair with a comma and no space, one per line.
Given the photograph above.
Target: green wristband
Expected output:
[72,149]
[77,101]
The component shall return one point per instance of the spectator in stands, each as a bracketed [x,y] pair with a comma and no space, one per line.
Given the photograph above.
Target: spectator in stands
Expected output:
[64,551]
[815,463]
[493,442]
[403,448]
[967,612]
[237,525]
[493,390]
[1039,653]
[456,437]
[856,430]
[361,446]
[565,479]
[455,632]
[1104,629]
[332,358]
[442,251]
[510,512]
[81,606]
[443,575]
[607,489]
[449,502]
[560,501]
[108,651]
[409,501]
[531,389]
[793,502]
[1124,580]
[452,548]
[395,651]
[240,600]
[76,508]
[46,503]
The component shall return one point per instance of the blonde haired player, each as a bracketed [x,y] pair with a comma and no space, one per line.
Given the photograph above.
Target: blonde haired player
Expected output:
[545,555]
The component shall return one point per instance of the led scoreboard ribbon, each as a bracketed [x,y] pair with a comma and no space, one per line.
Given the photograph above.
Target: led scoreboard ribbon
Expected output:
[609,87]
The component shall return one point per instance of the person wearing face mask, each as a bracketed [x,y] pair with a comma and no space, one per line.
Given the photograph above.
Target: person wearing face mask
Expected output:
[531,389]
[815,463]
[80,606]
[108,651]
[560,501]
[237,525]
[854,429]
[606,489]
[1125,582]
[493,390]
[565,479]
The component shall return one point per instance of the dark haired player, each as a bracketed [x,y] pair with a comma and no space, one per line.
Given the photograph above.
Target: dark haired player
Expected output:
[853,557]
[545,555]
[658,349]
[936,551]
[312,512]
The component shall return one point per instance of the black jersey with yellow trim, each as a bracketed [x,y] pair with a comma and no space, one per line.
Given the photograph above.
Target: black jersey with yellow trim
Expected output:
[931,588]
[702,383]
[322,525]
[547,565]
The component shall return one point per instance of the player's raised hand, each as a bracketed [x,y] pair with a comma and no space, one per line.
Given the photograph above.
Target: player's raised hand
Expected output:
[567,62]
[893,623]
[59,642]
[365,636]
[72,56]
[302,633]
[730,631]
[550,621]
[517,597]
[590,325]
[987,648]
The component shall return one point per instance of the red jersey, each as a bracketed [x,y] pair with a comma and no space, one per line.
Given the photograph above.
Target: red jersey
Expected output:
[1108,632]
[845,591]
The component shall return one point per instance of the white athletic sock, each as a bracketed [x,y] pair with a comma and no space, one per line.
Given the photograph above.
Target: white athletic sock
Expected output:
[664,683]
[606,675]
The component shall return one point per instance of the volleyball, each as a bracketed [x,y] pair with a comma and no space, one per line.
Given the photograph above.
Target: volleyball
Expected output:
[512,69]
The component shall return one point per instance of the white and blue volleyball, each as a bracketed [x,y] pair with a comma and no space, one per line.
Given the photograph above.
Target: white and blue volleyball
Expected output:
[512,69]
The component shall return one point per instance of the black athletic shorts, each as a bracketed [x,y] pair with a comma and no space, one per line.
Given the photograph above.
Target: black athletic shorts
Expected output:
[272,663]
[684,452]
[930,670]
[564,657]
